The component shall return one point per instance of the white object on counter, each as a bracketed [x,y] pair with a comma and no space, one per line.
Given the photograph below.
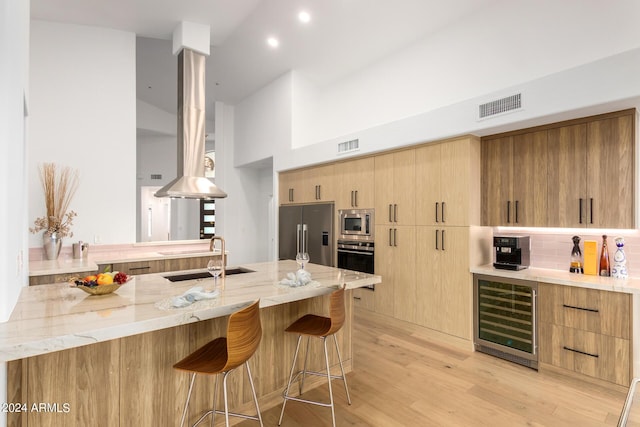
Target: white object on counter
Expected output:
[299,278]
[194,294]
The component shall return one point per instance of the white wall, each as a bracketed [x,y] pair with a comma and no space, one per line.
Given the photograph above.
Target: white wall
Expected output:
[14,69]
[83,115]
[263,122]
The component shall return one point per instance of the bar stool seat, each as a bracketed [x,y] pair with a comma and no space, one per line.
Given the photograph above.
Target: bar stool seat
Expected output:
[222,355]
[312,325]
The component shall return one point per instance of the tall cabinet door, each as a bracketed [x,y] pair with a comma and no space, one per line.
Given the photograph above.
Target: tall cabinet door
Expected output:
[457,168]
[384,189]
[404,273]
[429,184]
[404,187]
[567,176]
[384,293]
[529,203]
[610,159]
[355,184]
[497,178]
[429,289]
[455,279]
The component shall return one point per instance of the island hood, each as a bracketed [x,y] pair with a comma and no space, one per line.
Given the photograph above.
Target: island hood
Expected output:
[191,182]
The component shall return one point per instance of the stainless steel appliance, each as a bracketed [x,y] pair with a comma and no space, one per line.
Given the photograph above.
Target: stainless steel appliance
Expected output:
[505,318]
[356,224]
[312,224]
[357,256]
[512,252]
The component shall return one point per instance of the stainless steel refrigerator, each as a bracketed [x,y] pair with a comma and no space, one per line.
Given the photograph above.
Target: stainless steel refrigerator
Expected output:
[312,224]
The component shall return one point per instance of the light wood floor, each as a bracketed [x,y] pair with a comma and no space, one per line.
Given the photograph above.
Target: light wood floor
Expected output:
[403,378]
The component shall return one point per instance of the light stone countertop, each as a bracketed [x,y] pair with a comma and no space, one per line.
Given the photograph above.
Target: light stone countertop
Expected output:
[64,266]
[54,317]
[559,277]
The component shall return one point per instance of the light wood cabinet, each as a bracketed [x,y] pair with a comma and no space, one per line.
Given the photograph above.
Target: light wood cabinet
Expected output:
[445,192]
[514,182]
[444,283]
[319,184]
[395,188]
[291,185]
[578,173]
[395,261]
[355,184]
[586,331]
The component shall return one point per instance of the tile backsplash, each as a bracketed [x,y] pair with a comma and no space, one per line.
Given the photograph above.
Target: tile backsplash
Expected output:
[550,250]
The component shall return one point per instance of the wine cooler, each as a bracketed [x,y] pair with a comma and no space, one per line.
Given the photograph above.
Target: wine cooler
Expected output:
[505,317]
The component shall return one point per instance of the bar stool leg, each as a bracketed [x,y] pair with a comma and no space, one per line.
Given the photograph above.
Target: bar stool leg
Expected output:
[253,390]
[293,366]
[344,377]
[215,398]
[326,358]
[304,368]
[226,402]
[186,404]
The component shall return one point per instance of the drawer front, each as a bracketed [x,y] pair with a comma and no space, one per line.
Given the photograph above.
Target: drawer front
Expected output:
[592,310]
[57,278]
[596,355]
[141,267]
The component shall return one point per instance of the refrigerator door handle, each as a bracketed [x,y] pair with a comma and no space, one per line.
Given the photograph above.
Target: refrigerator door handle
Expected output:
[305,236]
[298,235]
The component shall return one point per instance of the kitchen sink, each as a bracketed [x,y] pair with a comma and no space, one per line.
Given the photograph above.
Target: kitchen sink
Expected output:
[205,274]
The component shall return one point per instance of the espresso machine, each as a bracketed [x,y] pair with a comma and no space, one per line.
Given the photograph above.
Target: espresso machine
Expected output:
[512,252]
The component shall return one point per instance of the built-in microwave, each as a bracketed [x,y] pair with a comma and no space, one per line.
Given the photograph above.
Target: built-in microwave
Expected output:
[356,224]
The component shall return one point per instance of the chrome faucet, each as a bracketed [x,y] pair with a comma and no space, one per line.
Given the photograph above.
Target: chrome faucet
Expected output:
[212,245]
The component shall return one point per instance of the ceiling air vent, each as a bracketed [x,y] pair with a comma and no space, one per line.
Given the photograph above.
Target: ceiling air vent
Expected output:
[500,106]
[348,146]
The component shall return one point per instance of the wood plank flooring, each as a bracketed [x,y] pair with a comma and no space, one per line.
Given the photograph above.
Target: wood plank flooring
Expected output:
[401,377]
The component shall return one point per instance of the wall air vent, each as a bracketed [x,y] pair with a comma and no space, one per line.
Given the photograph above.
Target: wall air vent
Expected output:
[500,106]
[156,176]
[348,146]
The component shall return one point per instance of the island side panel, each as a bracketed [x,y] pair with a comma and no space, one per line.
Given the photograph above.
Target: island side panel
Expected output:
[131,382]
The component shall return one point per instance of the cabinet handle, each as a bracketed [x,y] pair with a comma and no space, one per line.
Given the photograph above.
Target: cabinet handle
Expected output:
[508,211]
[352,198]
[437,233]
[591,210]
[437,211]
[579,351]
[140,268]
[395,237]
[593,310]
[516,211]
[390,212]
[442,216]
[357,298]
[443,240]
[580,205]
[395,213]
[390,237]
[356,198]
[534,321]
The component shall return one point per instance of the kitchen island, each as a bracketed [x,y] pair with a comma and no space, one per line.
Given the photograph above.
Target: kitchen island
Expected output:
[109,358]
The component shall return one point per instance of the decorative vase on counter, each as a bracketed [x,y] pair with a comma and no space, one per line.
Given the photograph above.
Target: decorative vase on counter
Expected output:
[619,269]
[52,243]
[576,256]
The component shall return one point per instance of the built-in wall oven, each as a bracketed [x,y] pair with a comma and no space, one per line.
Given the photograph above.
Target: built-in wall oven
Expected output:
[505,318]
[355,243]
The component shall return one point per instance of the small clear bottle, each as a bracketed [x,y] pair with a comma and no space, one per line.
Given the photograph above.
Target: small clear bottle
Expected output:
[605,266]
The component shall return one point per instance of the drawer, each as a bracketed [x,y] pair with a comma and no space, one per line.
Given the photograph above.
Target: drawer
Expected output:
[57,278]
[592,310]
[364,298]
[596,355]
[139,267]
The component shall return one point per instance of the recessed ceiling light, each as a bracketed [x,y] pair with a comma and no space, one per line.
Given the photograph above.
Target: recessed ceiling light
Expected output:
[304,17]
[273,42]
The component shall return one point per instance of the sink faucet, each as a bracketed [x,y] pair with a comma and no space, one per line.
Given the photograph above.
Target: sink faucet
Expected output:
[212,245]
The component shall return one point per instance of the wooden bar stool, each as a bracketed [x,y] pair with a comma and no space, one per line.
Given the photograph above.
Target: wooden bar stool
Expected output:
[311,325]
[222,355]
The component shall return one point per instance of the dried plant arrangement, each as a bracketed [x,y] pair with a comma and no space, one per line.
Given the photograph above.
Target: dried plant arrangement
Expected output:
[59,188]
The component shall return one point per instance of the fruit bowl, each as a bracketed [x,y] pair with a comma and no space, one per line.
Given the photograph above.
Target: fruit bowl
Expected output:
[99,290]
[101,284]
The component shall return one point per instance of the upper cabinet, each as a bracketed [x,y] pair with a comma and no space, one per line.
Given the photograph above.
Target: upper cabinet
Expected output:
[514,190]
[309,185]
[572,174]
[395,181]
[354,184]
[447,190]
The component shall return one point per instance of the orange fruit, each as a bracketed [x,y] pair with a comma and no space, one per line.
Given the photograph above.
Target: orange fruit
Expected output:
[105,279]
[90,278]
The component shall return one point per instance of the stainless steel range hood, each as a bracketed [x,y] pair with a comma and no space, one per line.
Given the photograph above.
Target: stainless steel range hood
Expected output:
[191,182]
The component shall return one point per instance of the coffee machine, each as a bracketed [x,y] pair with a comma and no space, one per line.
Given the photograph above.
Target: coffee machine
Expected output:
[512,252]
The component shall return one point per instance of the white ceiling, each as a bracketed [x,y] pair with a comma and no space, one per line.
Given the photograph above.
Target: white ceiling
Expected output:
[342,37]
